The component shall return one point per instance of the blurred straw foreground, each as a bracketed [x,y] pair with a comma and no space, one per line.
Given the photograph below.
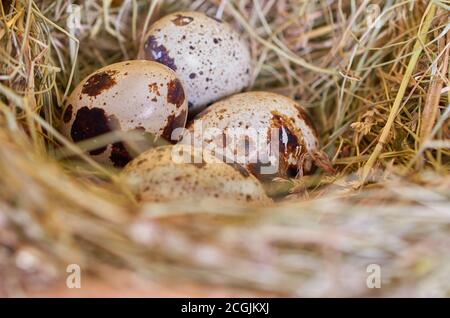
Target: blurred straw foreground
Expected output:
[372,74]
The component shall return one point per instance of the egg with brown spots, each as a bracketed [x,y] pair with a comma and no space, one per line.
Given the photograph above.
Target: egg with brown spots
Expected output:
[137,95]
[210,58]
[268,133]
[179,172]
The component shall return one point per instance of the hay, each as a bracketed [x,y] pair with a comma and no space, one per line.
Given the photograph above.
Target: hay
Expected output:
[378,89]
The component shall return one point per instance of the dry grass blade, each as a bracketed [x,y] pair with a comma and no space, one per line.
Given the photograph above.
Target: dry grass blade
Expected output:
[418,47]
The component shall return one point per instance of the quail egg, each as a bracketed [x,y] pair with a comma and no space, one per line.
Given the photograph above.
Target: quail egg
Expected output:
[268,133]
[211,59]
[181,172]
[138,95]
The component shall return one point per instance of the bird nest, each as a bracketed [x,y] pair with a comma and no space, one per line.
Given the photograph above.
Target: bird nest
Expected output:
[374,77]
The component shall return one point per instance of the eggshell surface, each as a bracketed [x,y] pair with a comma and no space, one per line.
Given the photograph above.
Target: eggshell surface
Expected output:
[268,133]
[180,172]
[210,58]
[138,95]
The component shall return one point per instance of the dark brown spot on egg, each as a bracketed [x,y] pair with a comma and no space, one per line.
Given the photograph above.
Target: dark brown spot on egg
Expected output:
[304,116]
[198,165]
[68,114]
[99,82]
[119,155]
[173,122]
[153,88]
[175,93]
[192,75]
[287,137]
[182,20]
[257,170]
[158,52]
[291,144]
[90,123]
[292,171]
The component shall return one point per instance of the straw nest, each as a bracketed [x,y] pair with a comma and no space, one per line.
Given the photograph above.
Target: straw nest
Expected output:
[373,75]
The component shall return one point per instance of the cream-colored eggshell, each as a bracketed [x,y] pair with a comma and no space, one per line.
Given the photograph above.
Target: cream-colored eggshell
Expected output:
[133,95]
[253,116]
[210,58]
[162,174]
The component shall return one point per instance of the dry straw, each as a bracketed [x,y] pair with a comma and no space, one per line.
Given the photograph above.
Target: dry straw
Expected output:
[374,76]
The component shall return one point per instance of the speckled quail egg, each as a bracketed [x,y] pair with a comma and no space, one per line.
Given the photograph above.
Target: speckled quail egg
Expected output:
[136,95]
[268,133]
[181,172]
[210,58]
